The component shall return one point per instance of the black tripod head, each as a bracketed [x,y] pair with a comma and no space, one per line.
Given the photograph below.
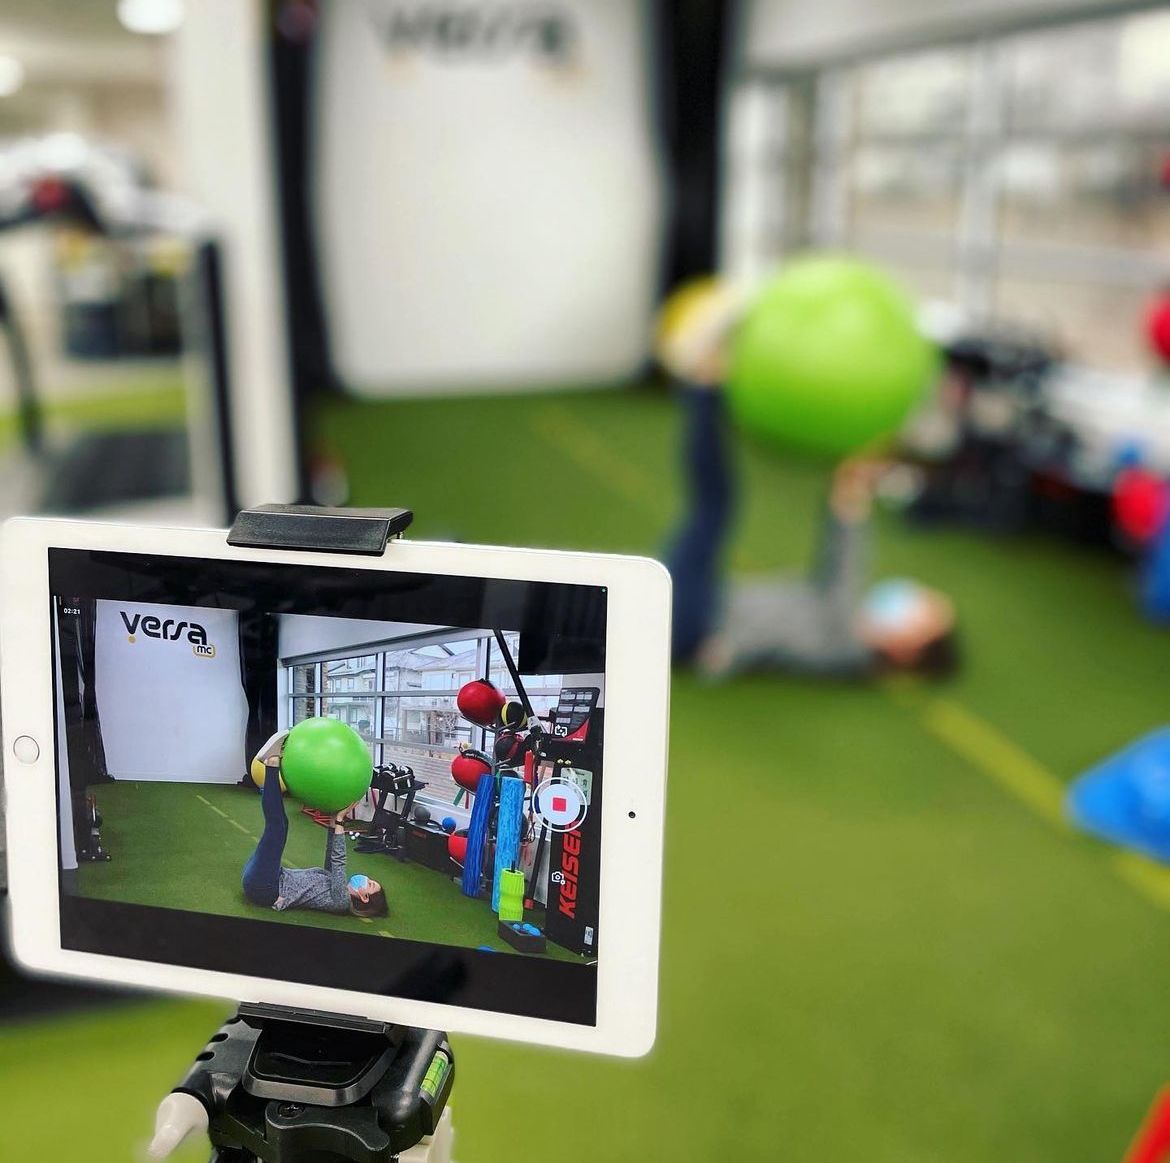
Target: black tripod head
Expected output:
[291,1087]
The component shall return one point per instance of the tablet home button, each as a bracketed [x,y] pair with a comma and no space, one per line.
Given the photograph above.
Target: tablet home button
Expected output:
[25,749]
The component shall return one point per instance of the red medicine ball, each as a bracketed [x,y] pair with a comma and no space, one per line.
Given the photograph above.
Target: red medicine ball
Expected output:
[1158,326]
[1141,503]
[468,767]
[457,846]
[480,701]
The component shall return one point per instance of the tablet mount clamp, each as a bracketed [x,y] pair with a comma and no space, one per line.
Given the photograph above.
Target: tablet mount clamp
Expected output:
[277,1085]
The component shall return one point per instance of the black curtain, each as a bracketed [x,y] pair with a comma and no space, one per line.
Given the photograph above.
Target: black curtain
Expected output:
[691,40]
[291,51]
[76,633]
[259,634]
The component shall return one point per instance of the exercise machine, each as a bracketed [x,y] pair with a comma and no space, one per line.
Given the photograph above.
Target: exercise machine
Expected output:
[570,753]
[387,834]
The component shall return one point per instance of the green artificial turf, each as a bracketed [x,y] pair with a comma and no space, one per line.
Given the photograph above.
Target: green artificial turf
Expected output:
[183,846]
[871,950]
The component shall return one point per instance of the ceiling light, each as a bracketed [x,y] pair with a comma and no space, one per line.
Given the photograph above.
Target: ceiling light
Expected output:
[151,17]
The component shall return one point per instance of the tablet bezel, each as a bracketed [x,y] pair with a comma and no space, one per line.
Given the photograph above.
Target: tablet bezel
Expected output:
[637,710]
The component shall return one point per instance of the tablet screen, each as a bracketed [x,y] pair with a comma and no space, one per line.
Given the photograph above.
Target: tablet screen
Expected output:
[366,780]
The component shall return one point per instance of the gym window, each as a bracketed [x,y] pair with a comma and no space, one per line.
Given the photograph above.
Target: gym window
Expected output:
[400,698]
[977,173]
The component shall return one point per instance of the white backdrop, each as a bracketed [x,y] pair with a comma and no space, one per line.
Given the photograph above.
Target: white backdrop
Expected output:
[167,713]
[488,214]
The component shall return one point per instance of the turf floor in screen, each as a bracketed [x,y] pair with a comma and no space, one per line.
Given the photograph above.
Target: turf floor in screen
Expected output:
[182,846]
[873,950]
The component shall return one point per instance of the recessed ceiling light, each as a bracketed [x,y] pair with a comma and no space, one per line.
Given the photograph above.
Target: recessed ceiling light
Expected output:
[11,75]
[151,17]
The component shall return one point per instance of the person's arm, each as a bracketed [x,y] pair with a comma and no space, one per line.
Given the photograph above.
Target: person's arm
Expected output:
[842,561]
[335,859]
[335,851]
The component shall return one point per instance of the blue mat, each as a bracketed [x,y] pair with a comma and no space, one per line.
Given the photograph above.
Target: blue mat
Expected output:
[1126,799]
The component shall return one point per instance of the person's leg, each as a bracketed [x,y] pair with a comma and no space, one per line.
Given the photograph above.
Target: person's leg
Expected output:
[261,878]
[694,556]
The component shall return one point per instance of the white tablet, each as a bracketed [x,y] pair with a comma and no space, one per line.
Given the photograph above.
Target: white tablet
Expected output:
[142,669]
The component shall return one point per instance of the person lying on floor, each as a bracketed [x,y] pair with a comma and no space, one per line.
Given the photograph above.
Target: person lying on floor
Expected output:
[270,885]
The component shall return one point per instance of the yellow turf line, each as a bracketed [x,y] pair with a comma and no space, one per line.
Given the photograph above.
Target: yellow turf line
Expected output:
[1146,876]
[997,756]
[235,823]
[1025,778]
[212,806]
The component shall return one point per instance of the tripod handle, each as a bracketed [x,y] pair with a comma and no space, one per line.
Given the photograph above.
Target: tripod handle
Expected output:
[179,1114]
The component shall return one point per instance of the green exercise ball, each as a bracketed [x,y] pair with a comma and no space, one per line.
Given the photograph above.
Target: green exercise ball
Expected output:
[828,357]
[326,764]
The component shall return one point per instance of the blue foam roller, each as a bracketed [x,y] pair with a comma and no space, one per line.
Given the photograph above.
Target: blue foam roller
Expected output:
[477,835]
[507,831]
